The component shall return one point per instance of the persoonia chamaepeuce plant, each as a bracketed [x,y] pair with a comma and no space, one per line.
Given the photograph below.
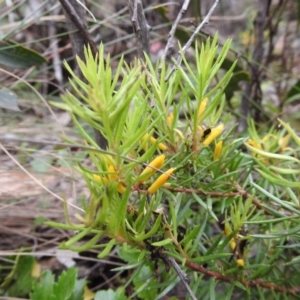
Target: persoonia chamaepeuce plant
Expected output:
[175,183]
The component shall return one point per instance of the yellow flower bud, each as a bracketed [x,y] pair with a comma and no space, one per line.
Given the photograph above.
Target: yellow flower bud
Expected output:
[283,142]
[201,110]
[240,262]
[160,146]
[254,144]
[113,175]
[121,188]
[101,179]
[257,146]
[215,132]
[36,270]
[227,229]
[232,244]
[218,150]
[160,181]
[170,119]
[144,141]
[149,170]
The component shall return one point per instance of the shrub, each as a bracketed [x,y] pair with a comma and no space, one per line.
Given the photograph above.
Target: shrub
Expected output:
[174,184]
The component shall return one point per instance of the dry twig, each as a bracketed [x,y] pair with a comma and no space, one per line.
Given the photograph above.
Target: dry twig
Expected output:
[75,16]
[252,90]
[80,37]
[140,26]
[173,29]
[193,36]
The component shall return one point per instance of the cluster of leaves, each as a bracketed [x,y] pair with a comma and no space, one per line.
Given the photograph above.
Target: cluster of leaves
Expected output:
[172,178]
[25,278]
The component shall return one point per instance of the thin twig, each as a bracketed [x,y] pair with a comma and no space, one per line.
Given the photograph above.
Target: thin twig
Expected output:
[140,26]
[250,283]
[173,30]
[69,9]
[181,275]
[239,192]
[75,15]
[252,90]
[193,36]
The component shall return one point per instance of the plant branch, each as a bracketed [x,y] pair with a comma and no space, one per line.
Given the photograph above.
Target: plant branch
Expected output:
[78,22]
[173,30]
[250,283]
[181,275]
[252,90]
[192,38]
[140,27]
[239,192]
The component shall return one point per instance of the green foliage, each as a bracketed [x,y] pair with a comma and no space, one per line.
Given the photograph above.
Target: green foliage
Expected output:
[111,295]
[66,287]
[17,56]
[18,282]
[21,282]
[202,179]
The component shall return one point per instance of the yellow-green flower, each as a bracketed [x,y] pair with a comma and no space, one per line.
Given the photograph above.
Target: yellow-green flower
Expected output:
[121,188]
[218,150]
[101,179]
[112,173]
[112,176]
[160,181]
[170,119]
[152,167]
[284,141]
[227,231]
[254,144]
[153,140]
[240,262]
[201,110]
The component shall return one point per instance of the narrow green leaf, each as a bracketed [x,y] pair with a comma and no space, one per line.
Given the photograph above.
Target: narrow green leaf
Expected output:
[151,232]
[162,243]
[295,260]
[285,171]
[277,180]
[273,155]
[16,56]
[107,249]
[212,289]
[275,199]
[239,285]
[291,131]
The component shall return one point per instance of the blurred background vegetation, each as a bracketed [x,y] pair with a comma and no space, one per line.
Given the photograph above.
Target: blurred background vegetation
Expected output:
[35,178]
